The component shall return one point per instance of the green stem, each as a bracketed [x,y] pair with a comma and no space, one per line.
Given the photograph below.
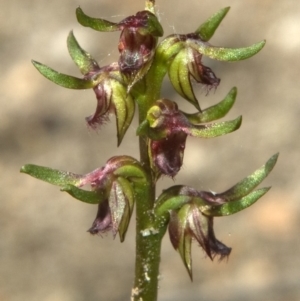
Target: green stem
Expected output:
[148,245]
[148,239]
[149,230]
[148,234]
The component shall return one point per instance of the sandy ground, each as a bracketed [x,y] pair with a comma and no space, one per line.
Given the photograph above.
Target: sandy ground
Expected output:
[45,252]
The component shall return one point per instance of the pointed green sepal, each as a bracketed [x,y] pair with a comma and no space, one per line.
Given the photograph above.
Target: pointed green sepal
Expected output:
[226,54]
[52,176]
[94,23]
[235,206]
[208,28]
[82,59]
[63,80]
[214,112]
[90,197]
[216,129]
[245,186]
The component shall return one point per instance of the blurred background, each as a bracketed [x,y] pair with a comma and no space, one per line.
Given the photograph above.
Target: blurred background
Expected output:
[45,252]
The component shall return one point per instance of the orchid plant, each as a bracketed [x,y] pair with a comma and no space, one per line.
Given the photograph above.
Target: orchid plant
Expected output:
[135,80]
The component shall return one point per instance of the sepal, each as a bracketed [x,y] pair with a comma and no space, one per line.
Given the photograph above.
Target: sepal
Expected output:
[249,183]
[214,112]
[236,206]
[95,23]
[51,176]
[208,28]
[64,80]
[90,197]
[243,195]
[84,61]
[223,53]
